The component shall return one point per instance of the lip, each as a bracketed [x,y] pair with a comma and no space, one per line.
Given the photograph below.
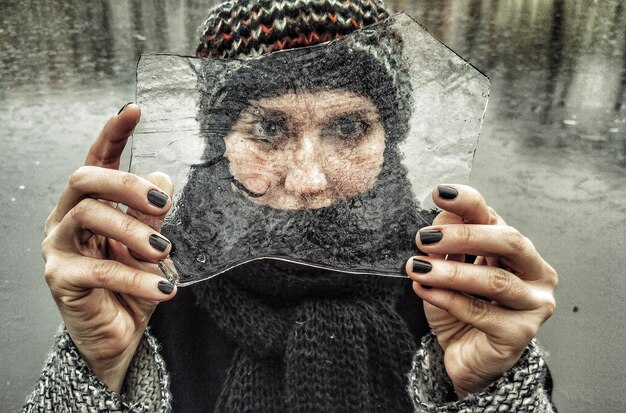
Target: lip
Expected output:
[309,203]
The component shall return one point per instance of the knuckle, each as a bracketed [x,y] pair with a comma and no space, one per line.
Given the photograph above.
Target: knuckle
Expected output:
[129,225]
[514,239]
[547,305]
[464,234]
[453,272]
[49,224]
[78,176]
[52,276]
[128,181]
[102,272]
[550,308]
[46,248]
[82,210]
[499,281]
[527,331]
[50,272]
[551,277]
[99,151]
[478,309]
[493,216]
[133,280]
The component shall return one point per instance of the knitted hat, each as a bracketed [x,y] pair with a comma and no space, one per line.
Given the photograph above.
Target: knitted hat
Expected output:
[253,27]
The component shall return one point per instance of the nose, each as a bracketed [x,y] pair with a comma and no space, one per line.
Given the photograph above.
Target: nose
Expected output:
[305,172]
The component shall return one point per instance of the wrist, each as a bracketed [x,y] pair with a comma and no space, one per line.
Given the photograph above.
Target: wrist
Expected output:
[464,391]
[471,382]
[111,369]
[111,372]
[475,378]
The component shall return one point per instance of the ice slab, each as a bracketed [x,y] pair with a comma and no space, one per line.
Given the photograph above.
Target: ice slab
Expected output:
[323,156]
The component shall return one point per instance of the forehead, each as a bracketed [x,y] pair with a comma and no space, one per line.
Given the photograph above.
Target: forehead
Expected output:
[317,104]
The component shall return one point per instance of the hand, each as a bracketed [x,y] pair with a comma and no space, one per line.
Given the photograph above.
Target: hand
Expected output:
[484,314]
[100,262]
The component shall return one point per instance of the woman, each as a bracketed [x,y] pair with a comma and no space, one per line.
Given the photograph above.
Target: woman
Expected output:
[100,268]
[306,164]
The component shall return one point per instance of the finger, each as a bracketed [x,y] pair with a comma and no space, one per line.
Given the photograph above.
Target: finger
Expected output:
[86,273]
[108,147]
[494,283]
[503,324]
[512,249]
[104,220]
[164,182]
[111,185]
[445,217]
[120,253]
[465,202]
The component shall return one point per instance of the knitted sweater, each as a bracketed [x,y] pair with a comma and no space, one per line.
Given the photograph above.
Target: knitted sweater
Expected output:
[68,385]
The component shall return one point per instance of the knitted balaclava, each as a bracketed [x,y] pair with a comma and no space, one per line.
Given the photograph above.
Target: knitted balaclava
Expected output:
[307,340]
[228,89]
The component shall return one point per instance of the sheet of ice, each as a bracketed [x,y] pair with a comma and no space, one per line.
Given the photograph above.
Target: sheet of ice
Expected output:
[324,156]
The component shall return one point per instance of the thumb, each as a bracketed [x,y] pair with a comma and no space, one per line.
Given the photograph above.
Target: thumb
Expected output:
[164,182]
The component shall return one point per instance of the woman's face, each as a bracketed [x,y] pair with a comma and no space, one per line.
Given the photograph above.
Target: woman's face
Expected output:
[306,150]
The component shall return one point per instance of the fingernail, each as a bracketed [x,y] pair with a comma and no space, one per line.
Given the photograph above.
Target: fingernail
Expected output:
[421,266]
[158,242]
[124,107]
[157,198]
[447,192]
[166,287]
[430,237]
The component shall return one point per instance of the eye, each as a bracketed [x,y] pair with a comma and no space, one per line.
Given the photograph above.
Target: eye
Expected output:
[351,129]
[268,131]
[348,129]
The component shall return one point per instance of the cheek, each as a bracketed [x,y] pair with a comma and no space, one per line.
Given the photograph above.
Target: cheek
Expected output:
[355,170]
[254,168]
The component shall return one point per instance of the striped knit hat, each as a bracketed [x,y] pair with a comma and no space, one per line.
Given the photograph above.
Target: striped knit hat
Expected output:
[254,27]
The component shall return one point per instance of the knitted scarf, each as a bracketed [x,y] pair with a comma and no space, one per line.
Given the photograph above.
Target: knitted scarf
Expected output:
[310,341]
[307,340]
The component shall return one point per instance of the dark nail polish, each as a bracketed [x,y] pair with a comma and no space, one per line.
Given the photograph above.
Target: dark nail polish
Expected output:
[421,266]
[447,192]
[124,107]
[158,242]
[430,237]
[165,287]
[157,198]
[426,287]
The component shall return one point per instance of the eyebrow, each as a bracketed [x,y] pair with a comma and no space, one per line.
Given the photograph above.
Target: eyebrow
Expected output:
[275,114]
[360,114]
[268,113]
